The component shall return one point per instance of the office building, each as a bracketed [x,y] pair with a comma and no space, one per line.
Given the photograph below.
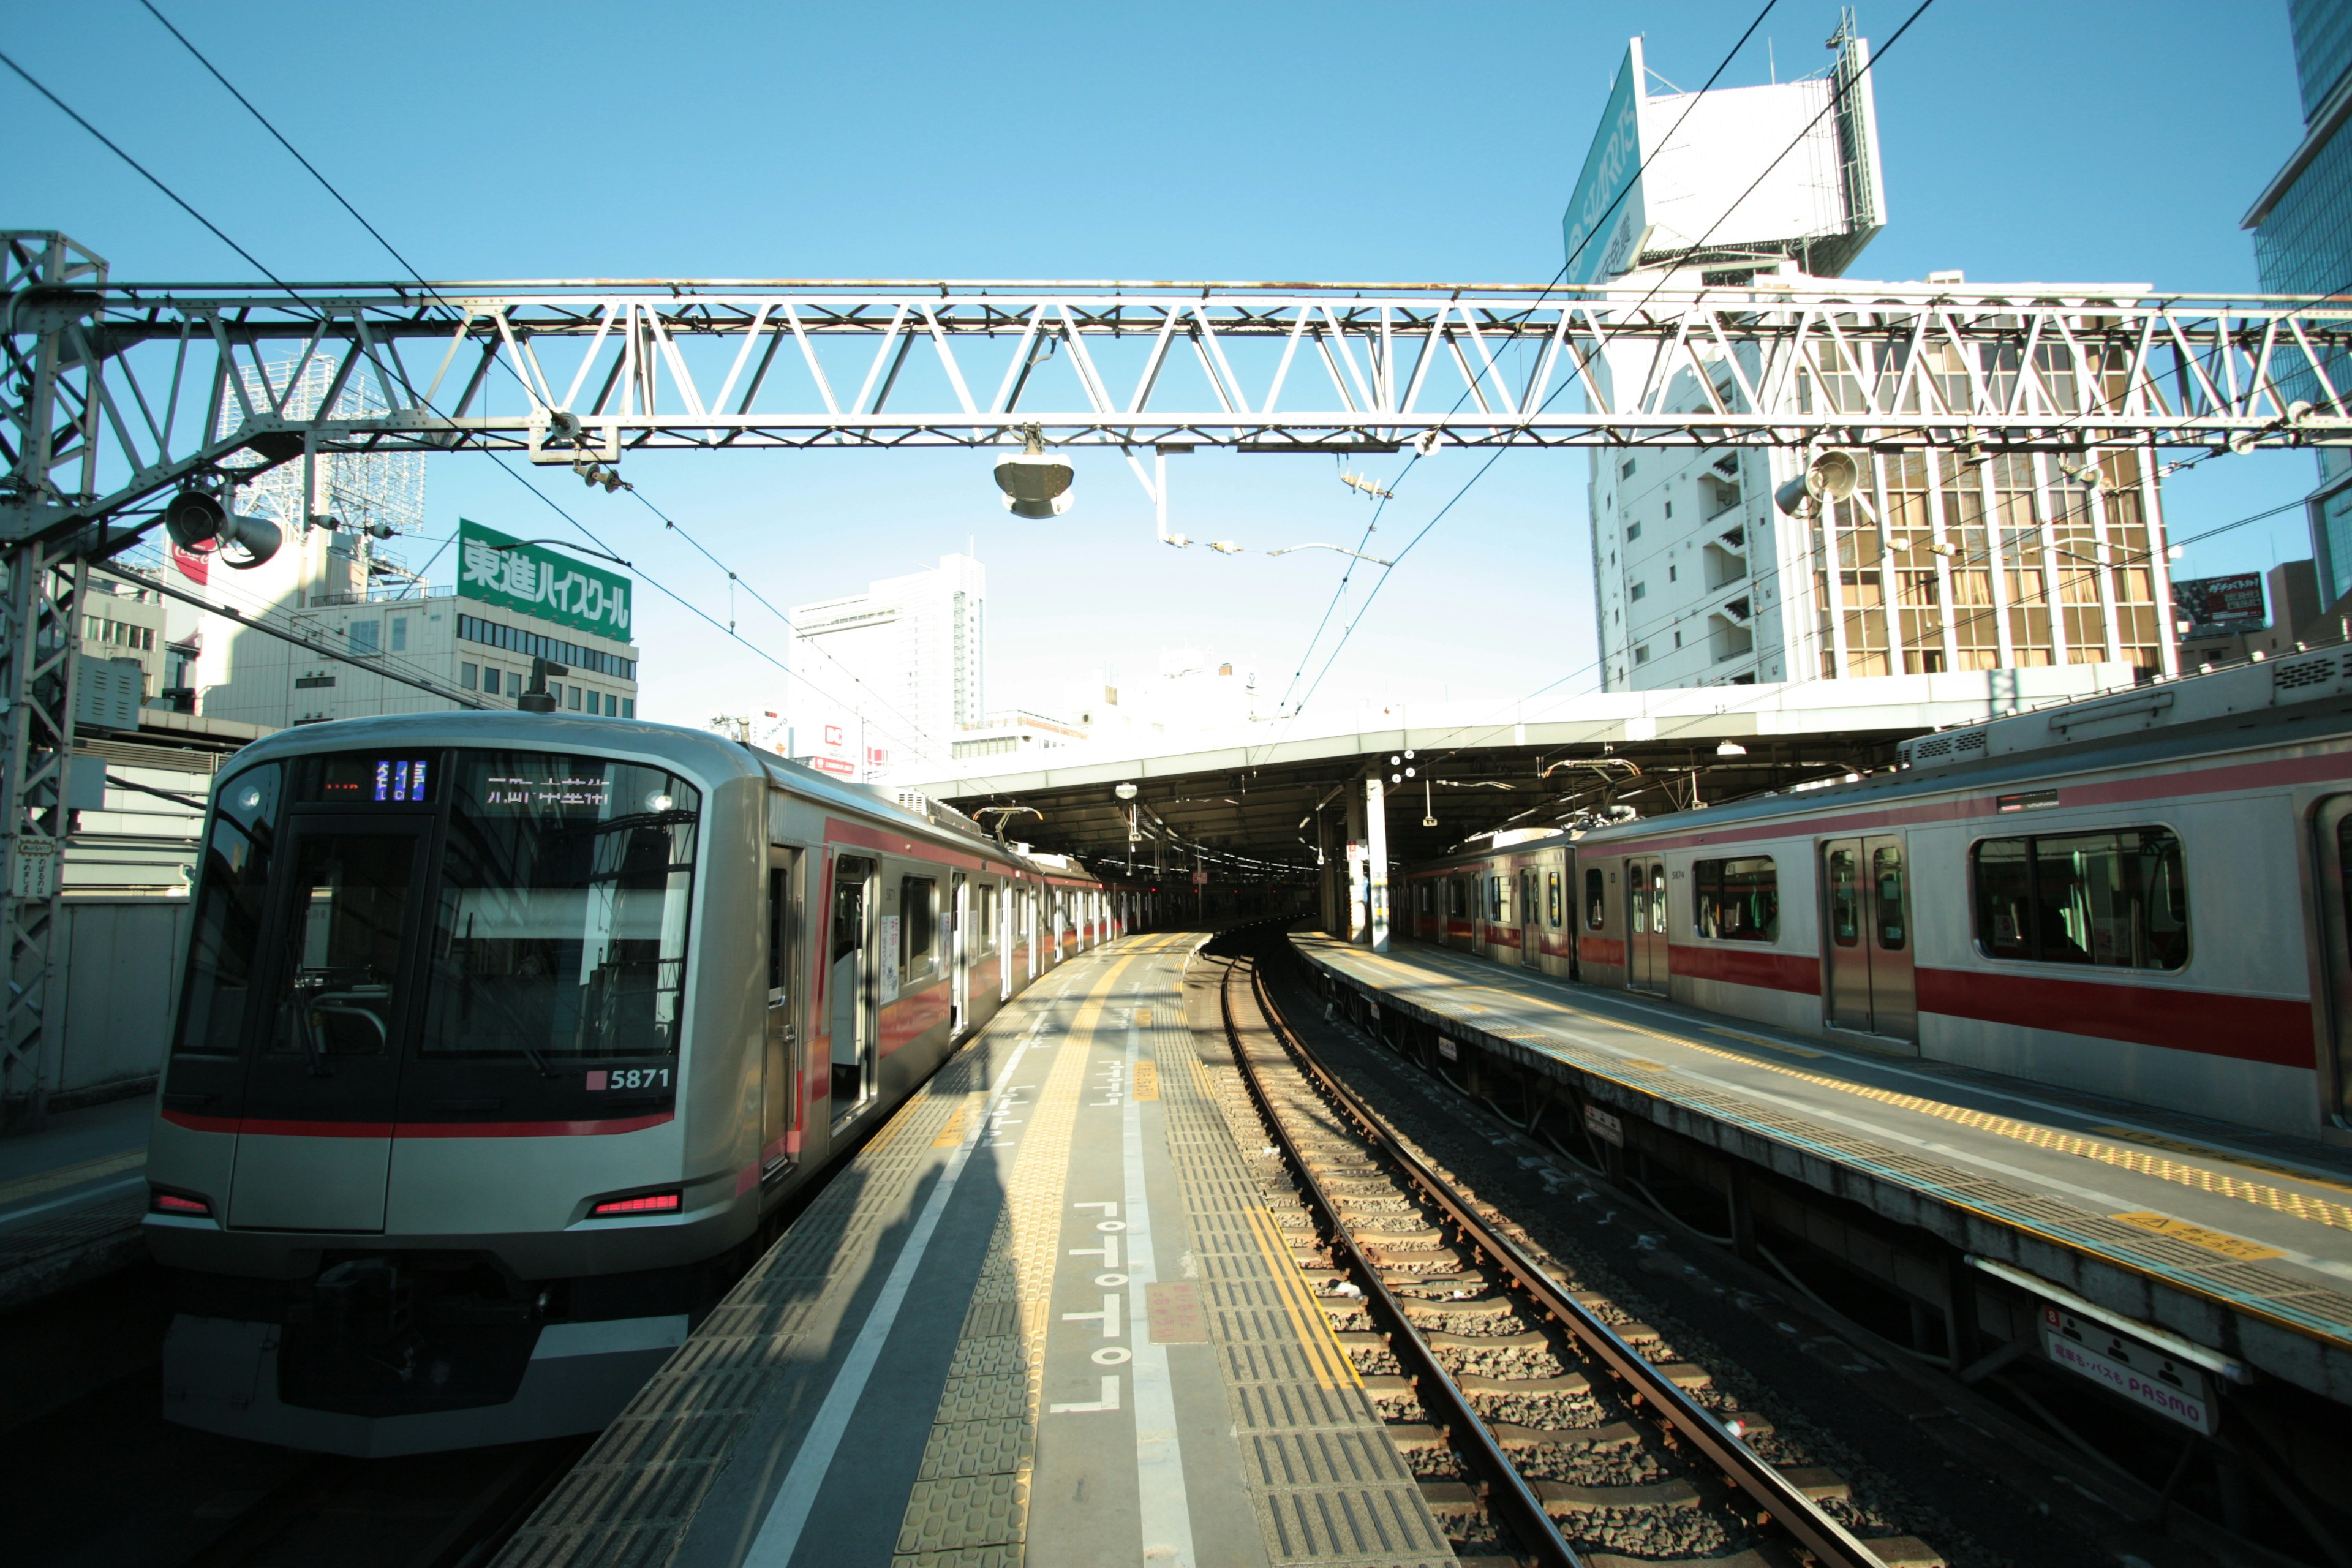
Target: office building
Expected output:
[896,672]
[1944,560]
[513,608]
[2302,223]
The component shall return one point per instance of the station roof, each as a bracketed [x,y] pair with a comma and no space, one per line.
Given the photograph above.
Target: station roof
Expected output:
[1252,795]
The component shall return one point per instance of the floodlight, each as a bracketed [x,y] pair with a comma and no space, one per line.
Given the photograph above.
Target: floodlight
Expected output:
[1035,485]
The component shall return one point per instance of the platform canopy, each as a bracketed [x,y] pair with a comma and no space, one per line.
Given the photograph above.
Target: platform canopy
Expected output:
[1244,804]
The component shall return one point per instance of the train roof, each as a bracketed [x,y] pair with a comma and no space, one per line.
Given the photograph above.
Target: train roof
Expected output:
[709,759]
[2290,701]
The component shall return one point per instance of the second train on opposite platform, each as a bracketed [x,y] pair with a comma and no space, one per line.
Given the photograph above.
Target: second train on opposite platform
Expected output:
[2142,895]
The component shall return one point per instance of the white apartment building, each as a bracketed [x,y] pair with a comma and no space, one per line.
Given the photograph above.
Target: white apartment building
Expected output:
[900,666]
[1943,559]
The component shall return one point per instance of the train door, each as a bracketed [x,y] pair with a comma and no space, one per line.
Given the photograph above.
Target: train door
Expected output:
[781,1097]
[338,946]
[958,958]
[2334,824]
[850,980]
[1868,975]
[1530,919]
[1646,923]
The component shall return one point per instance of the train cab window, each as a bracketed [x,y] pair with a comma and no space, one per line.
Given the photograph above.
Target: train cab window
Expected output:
[1551,898]
[231,886]
[560,917]
[918,929]
[2115,899]
[1737,900]
[1596,902]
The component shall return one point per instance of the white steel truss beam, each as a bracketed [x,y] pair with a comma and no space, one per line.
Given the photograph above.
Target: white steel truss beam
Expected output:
[154,385]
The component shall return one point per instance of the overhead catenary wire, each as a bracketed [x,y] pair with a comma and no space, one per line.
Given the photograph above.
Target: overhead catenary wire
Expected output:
[1614,202]
[250,258]
[1586,355]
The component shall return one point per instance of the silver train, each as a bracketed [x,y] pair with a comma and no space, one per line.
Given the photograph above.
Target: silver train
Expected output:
[2140,895]
[503,1037]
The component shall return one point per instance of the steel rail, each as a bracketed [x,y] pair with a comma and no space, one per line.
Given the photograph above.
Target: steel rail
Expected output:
[1807,1522]
[1508,1492]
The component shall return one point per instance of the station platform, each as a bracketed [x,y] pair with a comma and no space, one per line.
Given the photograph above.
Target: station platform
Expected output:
[1042,1317]
[2233,1239]
[71,1195]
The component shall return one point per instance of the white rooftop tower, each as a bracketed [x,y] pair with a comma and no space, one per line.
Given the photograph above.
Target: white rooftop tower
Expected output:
[901,663]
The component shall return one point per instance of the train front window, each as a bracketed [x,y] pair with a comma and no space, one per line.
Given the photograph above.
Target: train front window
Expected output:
[232,884]
[561,925]
[350,899]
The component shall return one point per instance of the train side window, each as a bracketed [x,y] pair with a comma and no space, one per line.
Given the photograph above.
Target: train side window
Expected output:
[2117,900]
[983,912]
[1845,897]
[1886,889]
[779,973]
[1737,900]
[1596,903]
[918,929]
[1551,898]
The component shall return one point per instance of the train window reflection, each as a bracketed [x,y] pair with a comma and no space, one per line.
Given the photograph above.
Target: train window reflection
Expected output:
[232,883]
[2113,900]
[1845,899]
[1738,900]
[342,943]
[919,907]
[562,920]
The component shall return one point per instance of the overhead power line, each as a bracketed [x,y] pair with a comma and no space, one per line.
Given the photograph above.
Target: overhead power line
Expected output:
[1585,356]
[215,229]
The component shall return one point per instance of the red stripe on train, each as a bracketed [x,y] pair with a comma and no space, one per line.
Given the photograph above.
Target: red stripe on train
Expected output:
[269,1127]
[1746,966]
[2249,1028]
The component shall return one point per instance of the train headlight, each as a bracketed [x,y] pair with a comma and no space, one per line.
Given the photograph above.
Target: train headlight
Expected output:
[658,803]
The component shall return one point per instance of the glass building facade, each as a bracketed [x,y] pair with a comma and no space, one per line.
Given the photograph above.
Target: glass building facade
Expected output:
[2302,225]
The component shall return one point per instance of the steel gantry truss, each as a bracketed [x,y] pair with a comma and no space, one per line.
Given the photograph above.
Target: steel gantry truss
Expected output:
[116,395]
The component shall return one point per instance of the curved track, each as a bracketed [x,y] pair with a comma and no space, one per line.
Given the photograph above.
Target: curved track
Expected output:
[1375,1205]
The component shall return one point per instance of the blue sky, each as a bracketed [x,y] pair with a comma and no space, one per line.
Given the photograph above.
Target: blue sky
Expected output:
[2108,142]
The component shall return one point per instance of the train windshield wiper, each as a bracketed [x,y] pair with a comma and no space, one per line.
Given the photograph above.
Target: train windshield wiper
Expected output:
[538,1061]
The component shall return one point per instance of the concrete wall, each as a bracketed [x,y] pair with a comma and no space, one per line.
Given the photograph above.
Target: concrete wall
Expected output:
[119,957]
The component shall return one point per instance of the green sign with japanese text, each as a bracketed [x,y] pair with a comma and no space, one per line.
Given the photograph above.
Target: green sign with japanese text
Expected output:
[548,585]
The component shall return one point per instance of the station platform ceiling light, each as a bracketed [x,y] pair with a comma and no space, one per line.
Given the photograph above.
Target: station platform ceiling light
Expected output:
[198,522]
[1036,483]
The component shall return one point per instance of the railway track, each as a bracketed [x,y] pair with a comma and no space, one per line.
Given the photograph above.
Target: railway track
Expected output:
[1543,1432]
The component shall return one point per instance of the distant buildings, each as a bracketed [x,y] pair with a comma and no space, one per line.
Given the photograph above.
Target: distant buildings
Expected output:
[899,668]
[1944,560]
[2302,223]
[509,608]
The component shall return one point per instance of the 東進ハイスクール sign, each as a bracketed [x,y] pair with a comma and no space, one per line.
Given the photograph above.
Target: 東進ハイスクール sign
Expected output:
[542,583]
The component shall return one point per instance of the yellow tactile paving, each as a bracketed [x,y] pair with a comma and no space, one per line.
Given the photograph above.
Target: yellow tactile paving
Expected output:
[2295,1205]
[972,1494]
[2220,1241]
[1333,1367]
[70,1175]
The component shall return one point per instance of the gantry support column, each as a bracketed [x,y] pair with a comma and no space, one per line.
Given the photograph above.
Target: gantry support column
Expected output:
[49,414]
[1376,863]
[1359,923]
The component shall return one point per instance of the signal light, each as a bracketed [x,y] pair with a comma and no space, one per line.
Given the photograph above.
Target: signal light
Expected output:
[173,1203]
[649,1203]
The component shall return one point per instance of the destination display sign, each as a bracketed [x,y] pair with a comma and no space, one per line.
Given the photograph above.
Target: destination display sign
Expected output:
[548,584]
